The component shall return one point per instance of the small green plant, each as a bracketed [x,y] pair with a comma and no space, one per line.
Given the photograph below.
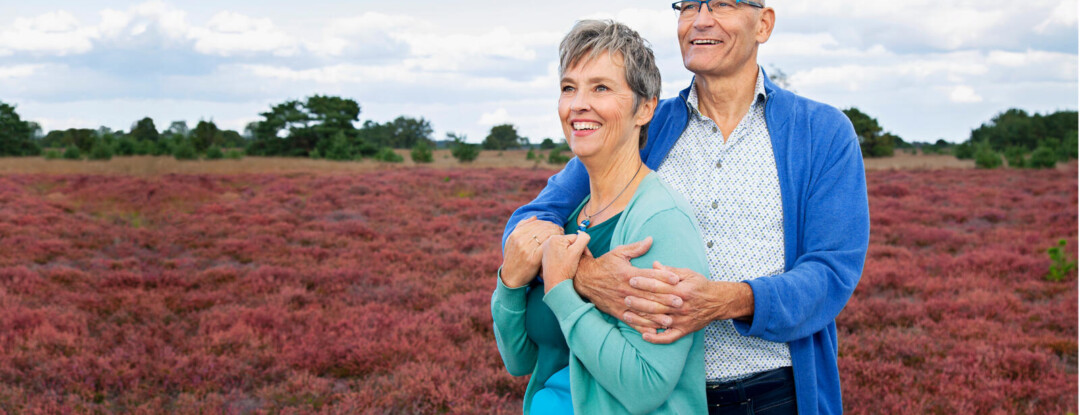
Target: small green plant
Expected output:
[314,154]
[464,152]
[1043,158]
[1015,157]
[556,156]
[214,153]
[388,155]
[421,153]
[52,154]
[987,159]
[531,155]
[72,153]
[234,154]
[185,151]
[1060,267]
[101,151]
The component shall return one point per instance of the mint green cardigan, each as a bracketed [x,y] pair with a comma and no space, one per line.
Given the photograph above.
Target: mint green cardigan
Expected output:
[612,369]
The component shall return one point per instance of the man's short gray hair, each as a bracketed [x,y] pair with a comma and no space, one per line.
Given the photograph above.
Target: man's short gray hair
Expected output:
[591,38]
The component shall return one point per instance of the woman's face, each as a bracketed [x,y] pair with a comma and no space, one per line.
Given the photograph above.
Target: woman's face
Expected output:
[596,107]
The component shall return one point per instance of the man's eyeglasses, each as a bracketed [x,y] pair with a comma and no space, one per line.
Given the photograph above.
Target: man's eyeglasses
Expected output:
[688,9]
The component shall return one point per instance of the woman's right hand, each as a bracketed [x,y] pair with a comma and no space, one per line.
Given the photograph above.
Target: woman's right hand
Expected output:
[522,253]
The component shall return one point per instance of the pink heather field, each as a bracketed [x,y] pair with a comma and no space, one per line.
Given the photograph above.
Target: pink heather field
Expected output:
[368,292]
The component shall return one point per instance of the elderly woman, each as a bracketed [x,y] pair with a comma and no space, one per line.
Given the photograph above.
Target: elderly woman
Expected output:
[581,359]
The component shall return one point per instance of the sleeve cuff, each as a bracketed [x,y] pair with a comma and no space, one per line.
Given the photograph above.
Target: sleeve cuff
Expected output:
[513,299]
[756,326]
[563,300]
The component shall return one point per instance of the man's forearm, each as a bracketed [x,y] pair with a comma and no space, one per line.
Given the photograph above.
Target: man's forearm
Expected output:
[732,300]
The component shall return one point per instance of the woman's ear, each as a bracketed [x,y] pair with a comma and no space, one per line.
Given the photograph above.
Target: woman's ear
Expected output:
[645,112]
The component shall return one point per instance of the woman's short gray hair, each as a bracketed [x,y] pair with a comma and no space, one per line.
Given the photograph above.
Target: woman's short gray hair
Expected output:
[591,38]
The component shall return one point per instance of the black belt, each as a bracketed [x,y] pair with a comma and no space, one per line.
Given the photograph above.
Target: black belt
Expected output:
[743,390]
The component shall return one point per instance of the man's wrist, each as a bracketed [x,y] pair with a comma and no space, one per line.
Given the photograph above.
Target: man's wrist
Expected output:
[734,300]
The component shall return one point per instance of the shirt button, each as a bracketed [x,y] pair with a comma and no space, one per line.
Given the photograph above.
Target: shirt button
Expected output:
[714,204]
[709,245]
[718,164]
[715,130]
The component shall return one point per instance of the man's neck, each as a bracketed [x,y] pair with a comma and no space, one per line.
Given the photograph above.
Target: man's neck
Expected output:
[725,99]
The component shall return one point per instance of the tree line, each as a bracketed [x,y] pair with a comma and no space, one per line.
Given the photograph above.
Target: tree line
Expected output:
[318,127]
[1014,136]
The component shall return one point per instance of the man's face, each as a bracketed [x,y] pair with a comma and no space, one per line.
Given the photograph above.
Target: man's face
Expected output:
[723,42]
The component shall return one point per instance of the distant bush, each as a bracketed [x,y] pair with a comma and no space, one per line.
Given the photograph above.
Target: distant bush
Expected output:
[214,153]
[531,155]
[339,148]
[52,154]
[161,148]
[556,156]
[314,154]
[987,159]
[1015,157]
[126,147]
[100,151]
[234,154]
[185,151]
[1043,158]
[72,153]
[964,151]
[1060,267]
[387,154]
[421,153]
[464,152]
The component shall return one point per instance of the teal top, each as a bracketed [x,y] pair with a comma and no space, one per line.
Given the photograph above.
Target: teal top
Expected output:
[612,369]
[540,324]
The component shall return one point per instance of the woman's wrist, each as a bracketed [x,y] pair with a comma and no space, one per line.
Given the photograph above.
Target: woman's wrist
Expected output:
[510,278]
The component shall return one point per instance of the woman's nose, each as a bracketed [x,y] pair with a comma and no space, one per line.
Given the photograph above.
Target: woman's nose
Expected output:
[579,103]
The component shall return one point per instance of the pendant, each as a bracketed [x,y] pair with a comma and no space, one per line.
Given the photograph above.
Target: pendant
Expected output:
[584,225]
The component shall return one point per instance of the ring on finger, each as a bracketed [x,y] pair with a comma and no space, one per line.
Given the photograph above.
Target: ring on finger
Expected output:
[538,243]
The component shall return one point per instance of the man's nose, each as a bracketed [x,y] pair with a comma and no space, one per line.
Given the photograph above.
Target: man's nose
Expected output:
[704,16]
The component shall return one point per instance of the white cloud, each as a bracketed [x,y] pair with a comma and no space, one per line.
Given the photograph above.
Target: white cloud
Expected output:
[229,33]
[1065,14]
[58,33]
[964,94]
[499,116]
[17,71]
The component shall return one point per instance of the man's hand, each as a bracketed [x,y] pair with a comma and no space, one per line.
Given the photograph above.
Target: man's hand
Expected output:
[522,253]
[605,281]
[703,301]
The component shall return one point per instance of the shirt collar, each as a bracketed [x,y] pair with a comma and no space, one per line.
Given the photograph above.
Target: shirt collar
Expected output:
[760,96]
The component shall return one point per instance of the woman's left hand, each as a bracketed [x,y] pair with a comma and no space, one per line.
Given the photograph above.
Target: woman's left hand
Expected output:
[561,256]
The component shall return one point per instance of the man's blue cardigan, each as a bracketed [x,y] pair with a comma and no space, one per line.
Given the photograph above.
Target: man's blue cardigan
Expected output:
[826,230]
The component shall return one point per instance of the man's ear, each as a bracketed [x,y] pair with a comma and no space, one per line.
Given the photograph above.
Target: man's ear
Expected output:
[766,22]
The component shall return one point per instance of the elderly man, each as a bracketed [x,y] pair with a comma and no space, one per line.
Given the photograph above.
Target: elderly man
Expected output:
[779,190]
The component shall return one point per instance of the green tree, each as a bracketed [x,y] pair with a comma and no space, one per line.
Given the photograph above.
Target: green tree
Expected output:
[144,130]
[557,157]
[388,155]
[205,135]
[461,150]
[339,148]
[873,141]
[986,158]
[72,153]
[547,144]
[214,153]
[184,150]
[101,151]
[1015,156]
[16,135]
[502,137]
[126,146]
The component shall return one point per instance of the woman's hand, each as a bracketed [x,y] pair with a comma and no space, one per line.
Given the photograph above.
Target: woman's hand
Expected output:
[561,256]
[522,253]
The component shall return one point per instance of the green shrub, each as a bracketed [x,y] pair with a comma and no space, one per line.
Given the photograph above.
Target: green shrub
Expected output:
[72,153]
[214,153]
[531,155]
[556,156]
[1015,157]
[185,151]
[421,153]
[100,151]
[143,148]
[1060,266]
[339,148]
[987,159]
[464,152]
[1069,147]
[964,151]
[161,148]
[125,147]
[1043,158]
[387,154]
[314,154]
[52,154]
[234,154]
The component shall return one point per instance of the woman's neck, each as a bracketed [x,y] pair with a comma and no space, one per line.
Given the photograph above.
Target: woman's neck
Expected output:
[612,182]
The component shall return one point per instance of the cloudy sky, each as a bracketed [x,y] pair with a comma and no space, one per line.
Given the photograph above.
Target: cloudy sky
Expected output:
[927,69]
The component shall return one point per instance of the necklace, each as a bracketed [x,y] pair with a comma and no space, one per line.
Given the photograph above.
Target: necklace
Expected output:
[584,225]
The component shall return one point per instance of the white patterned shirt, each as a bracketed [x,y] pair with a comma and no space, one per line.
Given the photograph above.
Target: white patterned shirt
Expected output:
[734,190]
